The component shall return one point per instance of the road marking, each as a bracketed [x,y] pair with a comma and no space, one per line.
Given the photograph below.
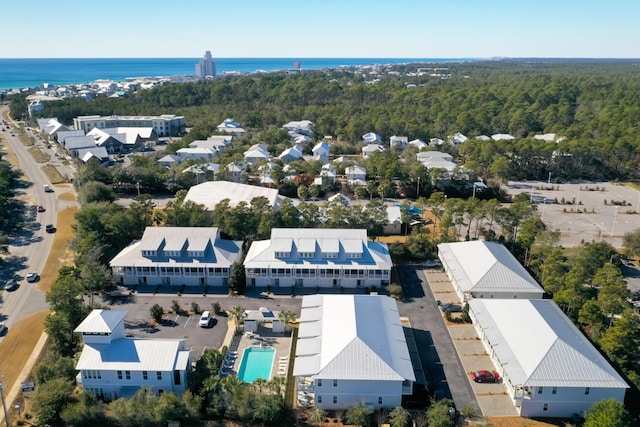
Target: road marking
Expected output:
[175,321]
[187,322]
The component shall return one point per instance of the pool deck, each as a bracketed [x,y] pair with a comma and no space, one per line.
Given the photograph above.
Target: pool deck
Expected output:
[263,337]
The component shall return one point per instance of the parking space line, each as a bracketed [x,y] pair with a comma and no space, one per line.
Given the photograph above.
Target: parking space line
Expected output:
[187,322]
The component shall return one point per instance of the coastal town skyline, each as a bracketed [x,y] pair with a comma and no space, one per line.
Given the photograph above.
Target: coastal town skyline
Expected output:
[326,29]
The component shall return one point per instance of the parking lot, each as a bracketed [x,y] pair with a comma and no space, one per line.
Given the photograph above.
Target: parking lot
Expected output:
[492,398]
[185,326]
[579,212]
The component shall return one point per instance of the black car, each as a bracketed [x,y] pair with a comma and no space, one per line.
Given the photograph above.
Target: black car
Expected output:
[451,308]
[50,228]
[10,285]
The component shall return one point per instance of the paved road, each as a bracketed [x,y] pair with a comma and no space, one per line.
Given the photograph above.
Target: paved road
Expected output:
[445,373]
[28,251]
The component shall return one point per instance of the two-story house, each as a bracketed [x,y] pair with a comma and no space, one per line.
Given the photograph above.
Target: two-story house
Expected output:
[314,257]
[191,256]
[113,366]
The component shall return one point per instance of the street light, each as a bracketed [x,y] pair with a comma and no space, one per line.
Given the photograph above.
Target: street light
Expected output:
[17,408]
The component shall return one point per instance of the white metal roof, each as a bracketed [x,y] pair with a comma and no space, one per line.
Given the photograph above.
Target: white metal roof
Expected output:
[223,253]
[211,193]
[538,346]
[101,321]
[486,266]
[362,338]
[293,241]
[128,354]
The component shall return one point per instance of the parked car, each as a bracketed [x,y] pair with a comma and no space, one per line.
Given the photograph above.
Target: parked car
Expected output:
[3,328]
[451,308]
[32,277]
[40,208]
[432,263]
[49,228]
[205,319]
[485,376]
[10,285]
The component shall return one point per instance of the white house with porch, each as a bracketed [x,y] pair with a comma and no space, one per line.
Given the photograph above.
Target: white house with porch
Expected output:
[351,350]
[190,256]
[318,257]
[113,366]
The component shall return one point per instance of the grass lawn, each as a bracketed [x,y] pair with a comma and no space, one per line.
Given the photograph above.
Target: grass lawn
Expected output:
[38,155]
[55,177]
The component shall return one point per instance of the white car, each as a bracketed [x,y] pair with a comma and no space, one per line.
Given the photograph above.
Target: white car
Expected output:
[205,319]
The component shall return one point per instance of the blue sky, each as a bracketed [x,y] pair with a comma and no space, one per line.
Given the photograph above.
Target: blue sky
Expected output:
[320,28]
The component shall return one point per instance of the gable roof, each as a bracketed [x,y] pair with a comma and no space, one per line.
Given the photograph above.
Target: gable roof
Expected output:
[552,352]
[127,354]
[101,321]
[480,266]
[352,337]
[211,193]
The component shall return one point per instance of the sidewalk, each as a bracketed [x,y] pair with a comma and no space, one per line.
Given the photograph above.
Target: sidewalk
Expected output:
[16,389]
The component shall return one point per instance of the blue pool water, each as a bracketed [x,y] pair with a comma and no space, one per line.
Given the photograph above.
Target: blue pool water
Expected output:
[256,363]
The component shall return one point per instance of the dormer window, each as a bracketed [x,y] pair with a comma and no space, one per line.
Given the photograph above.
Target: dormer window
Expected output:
[329,255]
[149,253]
[196,254]
[352,255]
[173,253]
[283,254]
[306,254]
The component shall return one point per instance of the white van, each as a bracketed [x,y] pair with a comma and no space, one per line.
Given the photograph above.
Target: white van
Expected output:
[205,319]
[48,189]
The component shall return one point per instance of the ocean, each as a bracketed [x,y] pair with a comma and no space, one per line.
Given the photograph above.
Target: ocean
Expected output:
[32,73]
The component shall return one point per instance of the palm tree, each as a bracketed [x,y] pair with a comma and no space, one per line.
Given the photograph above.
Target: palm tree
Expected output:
[286,317]
[237,314]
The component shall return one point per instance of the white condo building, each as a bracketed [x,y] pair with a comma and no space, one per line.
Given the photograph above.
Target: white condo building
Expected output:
[318,257]
[352,350]
[548,367]
[113,366]
[479,269]
[191,256]
[164,125]
[206,67]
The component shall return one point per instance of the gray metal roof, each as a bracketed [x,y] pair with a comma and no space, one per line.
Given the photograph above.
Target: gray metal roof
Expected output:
[538,346]
[358,337]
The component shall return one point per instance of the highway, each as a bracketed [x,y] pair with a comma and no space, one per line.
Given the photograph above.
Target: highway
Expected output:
[29,249]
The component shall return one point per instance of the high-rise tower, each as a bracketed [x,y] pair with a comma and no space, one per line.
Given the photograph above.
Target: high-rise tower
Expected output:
[206,67]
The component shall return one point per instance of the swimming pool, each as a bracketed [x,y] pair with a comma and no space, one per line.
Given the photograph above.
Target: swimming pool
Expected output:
[256,363]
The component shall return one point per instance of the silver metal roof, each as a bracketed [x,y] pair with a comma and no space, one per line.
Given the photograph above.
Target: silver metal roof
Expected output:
[486,266]
[357,337]
[101,321]
[538,346]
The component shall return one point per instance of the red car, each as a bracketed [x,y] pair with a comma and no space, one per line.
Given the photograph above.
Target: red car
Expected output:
[485,376]
[40,208]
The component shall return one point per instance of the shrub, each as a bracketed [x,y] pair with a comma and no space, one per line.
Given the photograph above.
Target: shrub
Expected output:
[156,313]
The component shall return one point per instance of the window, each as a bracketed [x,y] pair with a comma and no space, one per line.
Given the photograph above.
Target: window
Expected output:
[335,399]
[587,390]
[335,383]
[119,375]
[145,375]
[379,400]
[545,407]
[539,390]
[554,390]
[159,375]
[127,374]
[319,383]
[319,399]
